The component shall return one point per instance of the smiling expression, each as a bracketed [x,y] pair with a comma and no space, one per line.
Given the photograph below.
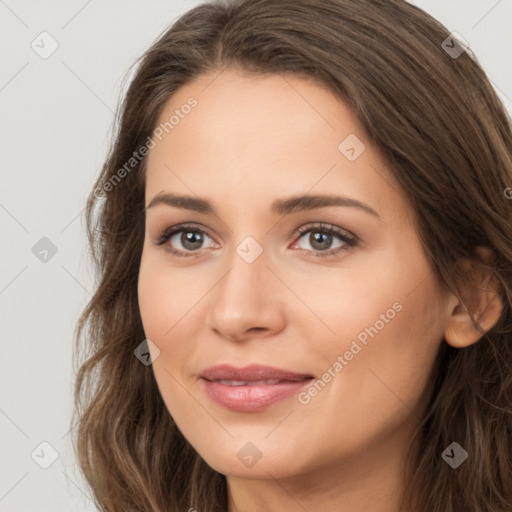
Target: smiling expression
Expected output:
[275,236]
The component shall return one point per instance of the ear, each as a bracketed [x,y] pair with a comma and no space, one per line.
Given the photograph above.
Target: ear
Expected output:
[479,302]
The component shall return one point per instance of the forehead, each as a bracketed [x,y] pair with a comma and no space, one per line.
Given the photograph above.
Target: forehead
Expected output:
[247,112]
[263,135]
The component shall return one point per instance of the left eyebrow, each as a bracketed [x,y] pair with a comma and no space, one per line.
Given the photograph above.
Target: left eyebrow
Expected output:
[278,207]
[298,203]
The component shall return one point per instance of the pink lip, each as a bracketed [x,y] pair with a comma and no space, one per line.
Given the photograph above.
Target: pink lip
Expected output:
[251,397]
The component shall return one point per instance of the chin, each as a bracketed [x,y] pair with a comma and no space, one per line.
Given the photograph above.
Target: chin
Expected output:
[257,460]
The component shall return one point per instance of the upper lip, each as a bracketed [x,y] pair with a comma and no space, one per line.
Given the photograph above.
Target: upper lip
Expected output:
[252,372]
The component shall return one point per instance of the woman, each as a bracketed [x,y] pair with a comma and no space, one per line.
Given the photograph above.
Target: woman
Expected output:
[303,238]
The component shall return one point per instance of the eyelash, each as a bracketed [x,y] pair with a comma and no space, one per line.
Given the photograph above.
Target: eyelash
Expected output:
[349,240]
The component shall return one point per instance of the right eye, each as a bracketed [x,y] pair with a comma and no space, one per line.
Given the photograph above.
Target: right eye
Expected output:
[191,239]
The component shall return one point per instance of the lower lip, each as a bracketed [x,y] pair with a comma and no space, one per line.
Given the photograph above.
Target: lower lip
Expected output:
[251,398]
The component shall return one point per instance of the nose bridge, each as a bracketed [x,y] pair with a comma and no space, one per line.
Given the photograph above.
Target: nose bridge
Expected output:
[246,279]
[245,296]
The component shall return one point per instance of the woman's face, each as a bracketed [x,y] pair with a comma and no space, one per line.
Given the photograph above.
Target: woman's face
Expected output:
[346,309]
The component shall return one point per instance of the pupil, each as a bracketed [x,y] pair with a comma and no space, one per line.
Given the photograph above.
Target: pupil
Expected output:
[191,240]
[319,240]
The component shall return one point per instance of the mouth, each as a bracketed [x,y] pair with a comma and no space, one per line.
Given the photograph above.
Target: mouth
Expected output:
[251,388]
[268,382]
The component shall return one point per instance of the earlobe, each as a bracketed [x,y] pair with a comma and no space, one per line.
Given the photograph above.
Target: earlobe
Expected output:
[484,308]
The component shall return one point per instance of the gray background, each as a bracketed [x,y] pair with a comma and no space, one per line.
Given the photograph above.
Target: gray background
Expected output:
[56,120]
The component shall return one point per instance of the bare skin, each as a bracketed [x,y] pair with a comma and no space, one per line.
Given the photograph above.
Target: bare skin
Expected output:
[252,140]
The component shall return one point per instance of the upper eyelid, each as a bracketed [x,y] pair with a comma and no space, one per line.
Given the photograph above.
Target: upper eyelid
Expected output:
[186,227]
[325,226]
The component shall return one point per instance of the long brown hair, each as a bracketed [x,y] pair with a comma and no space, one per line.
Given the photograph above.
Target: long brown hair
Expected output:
[448,142]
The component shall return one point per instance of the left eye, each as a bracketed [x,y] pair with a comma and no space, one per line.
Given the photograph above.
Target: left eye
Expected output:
[320,239]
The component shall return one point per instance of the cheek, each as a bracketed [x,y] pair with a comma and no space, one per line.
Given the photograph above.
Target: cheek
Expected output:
[166,298]
[385,326]
[170,303]
[381,355]
[163,305]
[152,299]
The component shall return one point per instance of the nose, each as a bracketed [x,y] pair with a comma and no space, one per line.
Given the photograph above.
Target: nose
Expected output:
[246,303]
